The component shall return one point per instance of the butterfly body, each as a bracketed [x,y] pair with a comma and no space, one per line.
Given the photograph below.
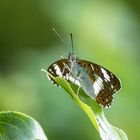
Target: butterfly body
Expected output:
[96,81]
[80,73]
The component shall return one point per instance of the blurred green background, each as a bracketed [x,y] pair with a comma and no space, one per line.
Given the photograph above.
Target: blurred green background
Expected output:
[105,32]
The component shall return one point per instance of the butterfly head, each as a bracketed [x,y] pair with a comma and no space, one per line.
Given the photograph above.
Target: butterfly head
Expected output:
[72,57]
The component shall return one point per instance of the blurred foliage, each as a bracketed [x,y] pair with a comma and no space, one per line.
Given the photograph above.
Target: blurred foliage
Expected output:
[105,32]
[18,126]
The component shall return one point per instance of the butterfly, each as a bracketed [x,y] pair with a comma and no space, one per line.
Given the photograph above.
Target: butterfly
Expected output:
[96,81]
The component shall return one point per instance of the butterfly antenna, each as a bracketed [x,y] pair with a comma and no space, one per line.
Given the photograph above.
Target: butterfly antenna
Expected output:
[72,42]
[59,36]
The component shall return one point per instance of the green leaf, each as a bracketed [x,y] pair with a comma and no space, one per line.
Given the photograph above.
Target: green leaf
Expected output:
[93,111]
[18,126]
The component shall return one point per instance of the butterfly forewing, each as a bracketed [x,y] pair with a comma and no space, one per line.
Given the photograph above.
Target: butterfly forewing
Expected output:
[58,68]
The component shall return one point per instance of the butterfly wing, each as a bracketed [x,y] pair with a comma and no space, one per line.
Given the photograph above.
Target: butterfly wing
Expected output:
[58,68]
[61,68]
[105,83]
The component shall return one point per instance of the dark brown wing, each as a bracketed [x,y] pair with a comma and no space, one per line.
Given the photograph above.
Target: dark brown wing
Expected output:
[58,68]
[107,85]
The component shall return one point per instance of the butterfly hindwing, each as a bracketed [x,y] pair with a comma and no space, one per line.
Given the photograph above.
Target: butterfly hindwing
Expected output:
[105,83]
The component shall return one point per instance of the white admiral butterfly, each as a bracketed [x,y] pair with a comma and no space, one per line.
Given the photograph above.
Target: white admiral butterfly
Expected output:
[97,82]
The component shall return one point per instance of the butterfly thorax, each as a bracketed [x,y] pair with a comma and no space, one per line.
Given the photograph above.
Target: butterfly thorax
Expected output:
[73,65]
